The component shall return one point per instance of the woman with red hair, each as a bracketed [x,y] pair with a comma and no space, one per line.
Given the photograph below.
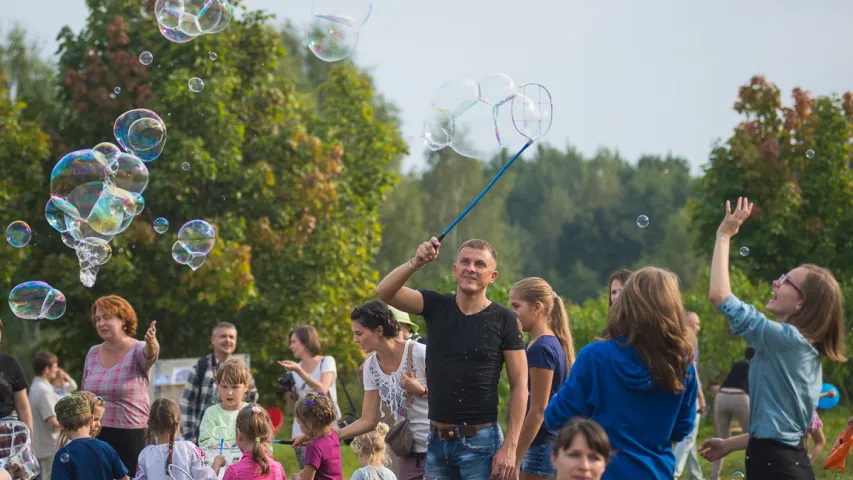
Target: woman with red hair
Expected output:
[117,370]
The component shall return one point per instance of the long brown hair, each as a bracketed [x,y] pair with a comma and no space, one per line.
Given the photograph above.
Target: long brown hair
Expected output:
[821,315]
[253,423]
[621,275]
[535,289]
[165,416]
[650,316]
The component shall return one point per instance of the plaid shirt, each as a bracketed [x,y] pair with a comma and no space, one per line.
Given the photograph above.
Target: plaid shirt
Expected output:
[199,394]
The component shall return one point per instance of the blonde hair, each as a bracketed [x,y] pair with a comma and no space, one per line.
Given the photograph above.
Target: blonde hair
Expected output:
[649,315]
[371,445]
[253,423]
[533,290]
[233,372]
[821,315]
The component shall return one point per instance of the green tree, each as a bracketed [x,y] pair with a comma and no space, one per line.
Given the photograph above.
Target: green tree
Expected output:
[793,162]
[292,184]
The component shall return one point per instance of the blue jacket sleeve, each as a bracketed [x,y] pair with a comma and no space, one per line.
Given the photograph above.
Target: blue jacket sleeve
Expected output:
[574,398]
[687,412]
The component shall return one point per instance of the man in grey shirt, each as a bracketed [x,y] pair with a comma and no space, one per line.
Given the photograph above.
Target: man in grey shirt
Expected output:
[43,398]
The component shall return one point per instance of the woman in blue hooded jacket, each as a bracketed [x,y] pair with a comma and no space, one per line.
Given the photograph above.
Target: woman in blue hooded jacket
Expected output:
[639,383]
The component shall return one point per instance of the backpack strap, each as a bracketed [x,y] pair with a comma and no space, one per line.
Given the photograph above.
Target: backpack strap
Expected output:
[201,371]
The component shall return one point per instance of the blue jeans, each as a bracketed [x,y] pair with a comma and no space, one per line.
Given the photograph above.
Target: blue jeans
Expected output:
[537,461]
[468,458]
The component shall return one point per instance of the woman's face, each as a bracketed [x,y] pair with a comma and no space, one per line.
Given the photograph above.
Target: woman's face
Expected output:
[364,337]
[578,462]
[109,327]
[787,298]
[524,310]
[615,290]
[97,416]
[297,347]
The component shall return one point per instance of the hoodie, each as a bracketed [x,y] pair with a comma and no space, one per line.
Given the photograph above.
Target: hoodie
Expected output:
[610,385]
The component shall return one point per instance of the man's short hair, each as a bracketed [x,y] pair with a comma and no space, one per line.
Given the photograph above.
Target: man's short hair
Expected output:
[222,325]
[478,244]
[43,360]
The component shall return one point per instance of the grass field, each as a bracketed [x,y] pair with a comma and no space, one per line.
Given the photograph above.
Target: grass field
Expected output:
[834,421]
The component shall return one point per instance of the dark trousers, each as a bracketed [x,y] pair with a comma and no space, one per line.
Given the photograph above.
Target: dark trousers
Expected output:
[127,442]
[770,460]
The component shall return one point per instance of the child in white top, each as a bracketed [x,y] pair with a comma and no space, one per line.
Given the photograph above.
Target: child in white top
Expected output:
[370,450]
[167,459]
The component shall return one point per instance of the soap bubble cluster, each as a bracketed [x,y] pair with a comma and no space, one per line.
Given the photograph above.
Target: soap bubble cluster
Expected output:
[477,118]
[180,21]
[18,234]
[95,194]
[336,26]
[35,300]
[195,240]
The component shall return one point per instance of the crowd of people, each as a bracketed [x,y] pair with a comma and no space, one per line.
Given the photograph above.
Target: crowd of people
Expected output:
[430,406]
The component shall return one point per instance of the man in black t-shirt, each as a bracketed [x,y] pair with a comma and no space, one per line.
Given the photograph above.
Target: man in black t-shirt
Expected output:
[468,340]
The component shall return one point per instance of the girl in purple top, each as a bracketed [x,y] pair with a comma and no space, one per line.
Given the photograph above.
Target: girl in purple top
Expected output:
[117,371]
[316,413]
[254,433]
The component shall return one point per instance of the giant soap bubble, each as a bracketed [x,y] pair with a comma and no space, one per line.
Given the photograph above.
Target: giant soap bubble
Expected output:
[34,300]
[142,133]
[195,240]
[334,31]
[180,21]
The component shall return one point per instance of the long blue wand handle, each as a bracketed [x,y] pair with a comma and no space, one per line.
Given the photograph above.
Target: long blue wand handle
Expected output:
[483,193]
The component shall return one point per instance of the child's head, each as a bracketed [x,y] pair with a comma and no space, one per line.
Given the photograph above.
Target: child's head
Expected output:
[254,426]
[74,414]
[370,447]
[314,412]
[809,298]
[615,284]
[232,381]
[164,418]
[650,316]
[97,406]
[581,450]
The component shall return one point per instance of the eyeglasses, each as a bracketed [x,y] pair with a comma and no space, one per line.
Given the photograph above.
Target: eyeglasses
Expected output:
[784,278]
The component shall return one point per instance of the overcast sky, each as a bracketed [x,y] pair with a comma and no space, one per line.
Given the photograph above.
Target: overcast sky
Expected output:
[655,76]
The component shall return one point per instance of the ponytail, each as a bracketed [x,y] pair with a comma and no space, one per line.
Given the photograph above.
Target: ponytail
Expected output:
[558,320]
[253,423]
[171,447]
[259,456]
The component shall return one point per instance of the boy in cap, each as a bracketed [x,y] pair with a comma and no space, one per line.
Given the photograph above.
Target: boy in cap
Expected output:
[83,457]
[408,328]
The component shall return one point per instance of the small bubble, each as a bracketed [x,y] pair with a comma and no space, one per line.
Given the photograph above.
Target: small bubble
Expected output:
[744,251]
[213,56]
[738,476]
[809,154]
[146,58]
[120,250]
[64,458]
[158,66]
[666,172]
[117,90]
[185,166]
[642,221]
[196,84]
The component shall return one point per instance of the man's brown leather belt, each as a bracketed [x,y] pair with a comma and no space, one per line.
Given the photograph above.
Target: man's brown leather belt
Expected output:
[452,433]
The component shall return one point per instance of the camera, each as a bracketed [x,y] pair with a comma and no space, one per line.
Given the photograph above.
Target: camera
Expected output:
[286,383]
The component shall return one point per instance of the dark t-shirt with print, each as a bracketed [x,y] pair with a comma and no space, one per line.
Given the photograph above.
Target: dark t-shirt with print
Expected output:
[464,358]
[12,380]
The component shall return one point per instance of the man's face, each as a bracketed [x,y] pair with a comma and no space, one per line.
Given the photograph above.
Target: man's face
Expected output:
[224,341]
[474,270]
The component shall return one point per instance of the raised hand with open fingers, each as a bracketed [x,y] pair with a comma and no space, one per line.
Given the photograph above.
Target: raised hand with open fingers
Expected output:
[734,219]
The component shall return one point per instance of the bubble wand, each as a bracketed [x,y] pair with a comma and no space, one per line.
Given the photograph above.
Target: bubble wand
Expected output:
[520,122]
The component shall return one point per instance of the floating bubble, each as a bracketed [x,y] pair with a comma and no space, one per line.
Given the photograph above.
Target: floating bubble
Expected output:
[642,221]
[180,253]
[196,262]
[744,251]
[207,13]
[121,130]
[227,14]
[77,179]
[196,84]
[145,134]
[117,90]
[332,38]
[358,10]
[109,151]
[438,129]
[197,236]
[213,56]
[161,225]
[456,96]
[497,88]
[146,58]
[34,300]
[809,154]
[64,458]
[185,166]
[131,174]
[174,35]
[18,234]
[665,172]
[738,476]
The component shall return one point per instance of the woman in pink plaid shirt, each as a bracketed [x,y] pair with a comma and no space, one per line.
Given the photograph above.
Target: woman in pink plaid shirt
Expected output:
[117,370]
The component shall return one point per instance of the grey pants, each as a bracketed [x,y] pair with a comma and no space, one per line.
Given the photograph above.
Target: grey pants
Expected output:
[729,404]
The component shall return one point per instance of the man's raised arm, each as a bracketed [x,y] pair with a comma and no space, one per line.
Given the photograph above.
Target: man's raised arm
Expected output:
[393,290]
